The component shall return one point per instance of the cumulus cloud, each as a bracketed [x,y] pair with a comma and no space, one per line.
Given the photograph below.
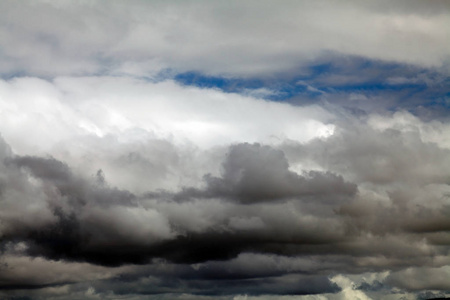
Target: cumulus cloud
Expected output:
[348,289]
[254,173]
[272,215]
[117,181]
[256,218]
[90,221]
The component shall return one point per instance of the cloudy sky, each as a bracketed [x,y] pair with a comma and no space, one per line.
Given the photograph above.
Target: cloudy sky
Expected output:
[224,150]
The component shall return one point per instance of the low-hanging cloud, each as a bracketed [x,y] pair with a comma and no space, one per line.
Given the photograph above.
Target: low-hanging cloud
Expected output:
[255,208]
[303,210]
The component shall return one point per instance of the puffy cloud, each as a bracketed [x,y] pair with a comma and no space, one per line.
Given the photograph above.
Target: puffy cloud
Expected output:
[269,215]
[118,182]
[348,289]
[75,107]
[253,173]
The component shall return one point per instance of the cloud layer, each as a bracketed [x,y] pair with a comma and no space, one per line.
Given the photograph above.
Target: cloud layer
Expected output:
[238,150]
[364,195]
[142,38]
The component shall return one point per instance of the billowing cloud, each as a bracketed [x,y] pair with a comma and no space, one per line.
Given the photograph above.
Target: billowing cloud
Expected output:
[258,217]
[254,173]
[239,150]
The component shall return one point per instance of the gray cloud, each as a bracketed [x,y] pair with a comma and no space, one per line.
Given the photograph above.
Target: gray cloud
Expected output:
[142,38]
[254,173]
[209,238]
[421,278]
[117,182]
[257,220]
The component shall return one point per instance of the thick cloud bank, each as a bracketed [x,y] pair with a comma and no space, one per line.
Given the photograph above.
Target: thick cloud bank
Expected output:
[224,150]
[143,37]
[128,205]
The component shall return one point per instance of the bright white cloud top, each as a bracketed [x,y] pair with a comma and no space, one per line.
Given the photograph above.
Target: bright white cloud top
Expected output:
[224,150]
[102,106]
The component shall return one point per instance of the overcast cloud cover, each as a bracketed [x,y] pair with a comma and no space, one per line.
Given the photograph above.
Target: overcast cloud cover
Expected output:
[224,150]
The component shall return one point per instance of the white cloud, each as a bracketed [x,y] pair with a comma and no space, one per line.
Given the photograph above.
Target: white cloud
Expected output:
[50,113]
[349,290]
[108,123]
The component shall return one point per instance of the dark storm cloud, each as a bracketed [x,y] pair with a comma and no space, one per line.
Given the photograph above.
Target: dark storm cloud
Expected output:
[220,278]
[255,226]
[90,221]
[126,184]
[75,190]
[210,278]
[78,212]
[283,285]
[255,173]
[320,212]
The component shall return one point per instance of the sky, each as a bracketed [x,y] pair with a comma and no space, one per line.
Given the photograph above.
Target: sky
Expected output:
[224,150]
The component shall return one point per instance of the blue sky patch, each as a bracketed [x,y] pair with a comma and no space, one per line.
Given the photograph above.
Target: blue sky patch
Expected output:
[341,81]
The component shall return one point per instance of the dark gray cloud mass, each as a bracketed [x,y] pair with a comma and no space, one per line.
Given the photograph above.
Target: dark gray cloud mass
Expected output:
[256,227]
[255,173]
[81,230]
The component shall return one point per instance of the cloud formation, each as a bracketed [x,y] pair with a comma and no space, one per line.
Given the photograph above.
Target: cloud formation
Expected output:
[142,38]
[258,217]
[209,150]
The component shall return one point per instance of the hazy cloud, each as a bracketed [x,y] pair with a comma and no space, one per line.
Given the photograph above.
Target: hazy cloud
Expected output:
[142,38]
